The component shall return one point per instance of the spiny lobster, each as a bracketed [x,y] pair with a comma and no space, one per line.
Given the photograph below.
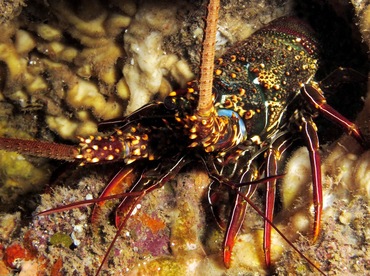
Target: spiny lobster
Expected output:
[238,125]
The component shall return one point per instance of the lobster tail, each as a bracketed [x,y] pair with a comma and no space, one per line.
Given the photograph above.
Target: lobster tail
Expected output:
[40,149]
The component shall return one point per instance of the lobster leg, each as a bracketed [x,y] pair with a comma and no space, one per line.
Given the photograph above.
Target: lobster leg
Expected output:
[281,145]
[271,164]
[236,221]
[127,208]
[273,158]
[247,187]
[127,178]
[342,75]
[144,181]
[309,132]
[119,184]
[314,96]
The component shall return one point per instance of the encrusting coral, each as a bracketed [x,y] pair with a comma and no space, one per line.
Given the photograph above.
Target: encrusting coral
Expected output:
[43,66]
[71,65]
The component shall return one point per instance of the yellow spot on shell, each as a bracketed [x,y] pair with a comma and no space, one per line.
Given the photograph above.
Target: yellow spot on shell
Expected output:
[209,149]
[109,157]
[249,114]
[193,145]
[241,91]
[95,160]
[193,136]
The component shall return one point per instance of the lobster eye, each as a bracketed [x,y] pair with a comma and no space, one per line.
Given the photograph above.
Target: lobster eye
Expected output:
[230,113]
[170,103]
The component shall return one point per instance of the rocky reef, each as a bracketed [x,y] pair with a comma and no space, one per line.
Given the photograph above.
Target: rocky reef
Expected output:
[66,66]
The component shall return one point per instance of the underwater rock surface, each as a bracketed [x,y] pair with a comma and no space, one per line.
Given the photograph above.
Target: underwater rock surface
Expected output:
[64,67]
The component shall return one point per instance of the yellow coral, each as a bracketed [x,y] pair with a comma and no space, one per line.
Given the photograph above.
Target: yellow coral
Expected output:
[48,32]
[86,95]
[18,175]
[24,42]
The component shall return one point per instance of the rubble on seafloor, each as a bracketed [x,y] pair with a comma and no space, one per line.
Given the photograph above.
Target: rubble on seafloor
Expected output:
[65,66]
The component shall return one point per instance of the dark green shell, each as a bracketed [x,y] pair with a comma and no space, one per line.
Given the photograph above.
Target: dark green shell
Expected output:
[259,77]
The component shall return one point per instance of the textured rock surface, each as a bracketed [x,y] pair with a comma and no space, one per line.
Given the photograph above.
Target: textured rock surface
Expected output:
[64,67]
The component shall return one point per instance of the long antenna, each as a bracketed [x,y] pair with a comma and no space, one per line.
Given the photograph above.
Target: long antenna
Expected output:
[209,129]
[40,148]
[205,105]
